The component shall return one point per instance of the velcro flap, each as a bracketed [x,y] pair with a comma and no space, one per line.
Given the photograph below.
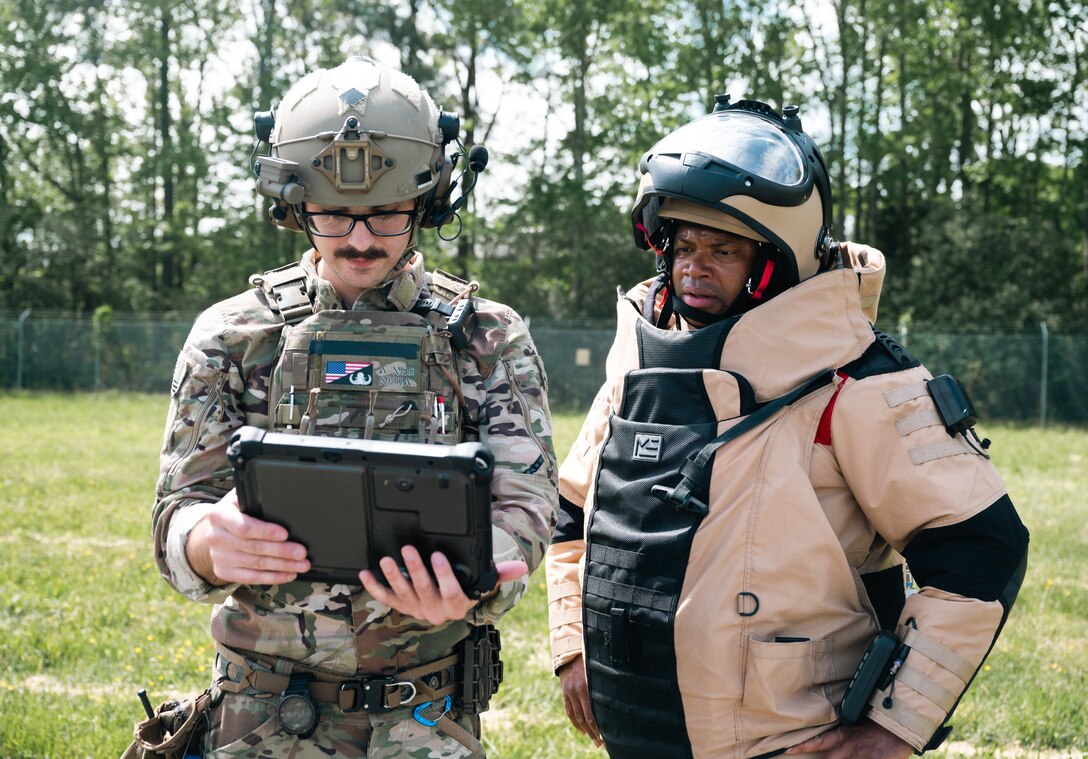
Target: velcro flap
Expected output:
[913,422]
[563,590]
[566,645]
[921,643]
[901,395]
[557,617]
[939,695]
[951,447]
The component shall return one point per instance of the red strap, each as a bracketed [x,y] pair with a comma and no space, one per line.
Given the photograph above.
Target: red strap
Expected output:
[823,431]
[646,233]
[768,270]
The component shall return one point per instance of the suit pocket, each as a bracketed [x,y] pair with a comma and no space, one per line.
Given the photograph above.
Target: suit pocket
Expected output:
[783,686]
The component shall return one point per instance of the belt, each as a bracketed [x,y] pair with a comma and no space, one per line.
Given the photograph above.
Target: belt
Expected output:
[381,693]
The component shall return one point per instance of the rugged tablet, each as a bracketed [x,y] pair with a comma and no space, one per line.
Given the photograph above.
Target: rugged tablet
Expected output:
[351,502]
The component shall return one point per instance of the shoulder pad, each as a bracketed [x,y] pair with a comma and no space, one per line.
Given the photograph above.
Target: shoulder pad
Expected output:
[883,356]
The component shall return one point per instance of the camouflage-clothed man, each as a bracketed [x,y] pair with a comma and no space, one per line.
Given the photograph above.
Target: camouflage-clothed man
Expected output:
[266,622]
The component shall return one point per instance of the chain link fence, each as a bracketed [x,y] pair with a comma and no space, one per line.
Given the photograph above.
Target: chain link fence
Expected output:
[1032,376]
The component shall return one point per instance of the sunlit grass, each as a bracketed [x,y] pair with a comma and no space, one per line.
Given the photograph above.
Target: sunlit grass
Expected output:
[85,620]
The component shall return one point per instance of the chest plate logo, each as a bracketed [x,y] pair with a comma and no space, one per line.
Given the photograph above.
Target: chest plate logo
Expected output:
[647,446]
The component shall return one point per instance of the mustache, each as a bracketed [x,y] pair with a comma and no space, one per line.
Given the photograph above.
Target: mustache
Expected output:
[373,253]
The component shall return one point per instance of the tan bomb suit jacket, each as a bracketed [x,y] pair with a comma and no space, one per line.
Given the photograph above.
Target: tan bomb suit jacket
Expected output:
[773,616]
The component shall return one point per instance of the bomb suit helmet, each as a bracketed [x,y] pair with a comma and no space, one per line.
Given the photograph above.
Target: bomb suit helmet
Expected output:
[746,169]
[359,134]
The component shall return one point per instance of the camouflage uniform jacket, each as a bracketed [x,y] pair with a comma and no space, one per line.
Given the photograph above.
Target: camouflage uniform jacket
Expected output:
[221,382]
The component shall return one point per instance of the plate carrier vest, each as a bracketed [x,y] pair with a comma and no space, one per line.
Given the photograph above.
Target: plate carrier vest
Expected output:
[386,375]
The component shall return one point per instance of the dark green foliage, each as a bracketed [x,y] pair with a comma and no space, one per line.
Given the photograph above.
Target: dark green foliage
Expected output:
[956,137]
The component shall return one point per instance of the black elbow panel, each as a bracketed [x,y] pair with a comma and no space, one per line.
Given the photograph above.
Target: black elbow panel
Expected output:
[984,557]
[571,525]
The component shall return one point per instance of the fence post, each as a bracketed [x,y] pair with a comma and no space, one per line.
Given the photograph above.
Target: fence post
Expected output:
[19,351]
[1042,380]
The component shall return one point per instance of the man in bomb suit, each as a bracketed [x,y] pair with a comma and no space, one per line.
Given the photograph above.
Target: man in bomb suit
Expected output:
[759,462]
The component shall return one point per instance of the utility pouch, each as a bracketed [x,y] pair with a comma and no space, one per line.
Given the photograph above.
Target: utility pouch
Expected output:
[871,673]
[175,731]
[462,324]
[482,668]
[461,319]
[953,404]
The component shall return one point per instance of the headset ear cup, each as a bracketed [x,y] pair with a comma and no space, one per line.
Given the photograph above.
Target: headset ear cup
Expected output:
[825,248]
[283,215]
[436,204]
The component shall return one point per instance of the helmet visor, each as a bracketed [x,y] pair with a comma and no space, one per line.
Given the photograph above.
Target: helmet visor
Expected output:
[752,145]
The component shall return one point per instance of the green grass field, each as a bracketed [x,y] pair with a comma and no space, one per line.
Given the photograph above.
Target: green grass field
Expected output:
[85,620]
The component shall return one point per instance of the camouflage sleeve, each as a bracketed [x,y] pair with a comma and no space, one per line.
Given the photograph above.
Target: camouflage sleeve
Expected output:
[515,423]
[193,468]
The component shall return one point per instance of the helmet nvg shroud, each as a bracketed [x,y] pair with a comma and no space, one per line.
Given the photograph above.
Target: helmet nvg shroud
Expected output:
[745,169]
[360,134]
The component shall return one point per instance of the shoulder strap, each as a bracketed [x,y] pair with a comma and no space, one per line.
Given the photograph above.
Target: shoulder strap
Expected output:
[696,470]
[285,289]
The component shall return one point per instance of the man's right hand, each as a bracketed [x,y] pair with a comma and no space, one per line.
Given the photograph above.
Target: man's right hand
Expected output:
[229,546]
[576,699]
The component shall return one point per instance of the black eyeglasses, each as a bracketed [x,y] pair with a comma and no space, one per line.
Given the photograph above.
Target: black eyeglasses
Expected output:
[339,224]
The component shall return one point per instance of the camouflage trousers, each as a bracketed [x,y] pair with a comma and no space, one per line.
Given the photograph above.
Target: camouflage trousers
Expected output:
[247,726]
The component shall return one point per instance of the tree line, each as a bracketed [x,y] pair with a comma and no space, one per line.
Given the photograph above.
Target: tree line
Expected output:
[956,136]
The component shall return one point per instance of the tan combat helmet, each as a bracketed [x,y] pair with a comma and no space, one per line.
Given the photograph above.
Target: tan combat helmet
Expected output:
[745,169]
[359,134]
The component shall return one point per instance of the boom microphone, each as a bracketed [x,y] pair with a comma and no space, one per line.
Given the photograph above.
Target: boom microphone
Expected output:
[477,159]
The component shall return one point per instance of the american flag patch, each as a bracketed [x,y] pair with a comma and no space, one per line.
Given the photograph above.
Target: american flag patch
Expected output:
[335,370]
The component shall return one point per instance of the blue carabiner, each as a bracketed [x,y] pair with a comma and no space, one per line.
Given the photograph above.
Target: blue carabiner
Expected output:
[431,723]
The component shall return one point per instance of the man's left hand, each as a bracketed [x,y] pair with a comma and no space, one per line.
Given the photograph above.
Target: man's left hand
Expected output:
[866,740]
[418,596]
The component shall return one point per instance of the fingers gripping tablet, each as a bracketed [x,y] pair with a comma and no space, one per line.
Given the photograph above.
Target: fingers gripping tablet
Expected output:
[351,502]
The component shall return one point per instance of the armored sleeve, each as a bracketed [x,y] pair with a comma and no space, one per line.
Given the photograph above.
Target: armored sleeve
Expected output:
[206,406]
[567,551]
[943,506]
[515,423]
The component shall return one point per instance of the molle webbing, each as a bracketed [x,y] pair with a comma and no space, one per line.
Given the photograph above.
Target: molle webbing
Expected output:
[637,559]
[381,374]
